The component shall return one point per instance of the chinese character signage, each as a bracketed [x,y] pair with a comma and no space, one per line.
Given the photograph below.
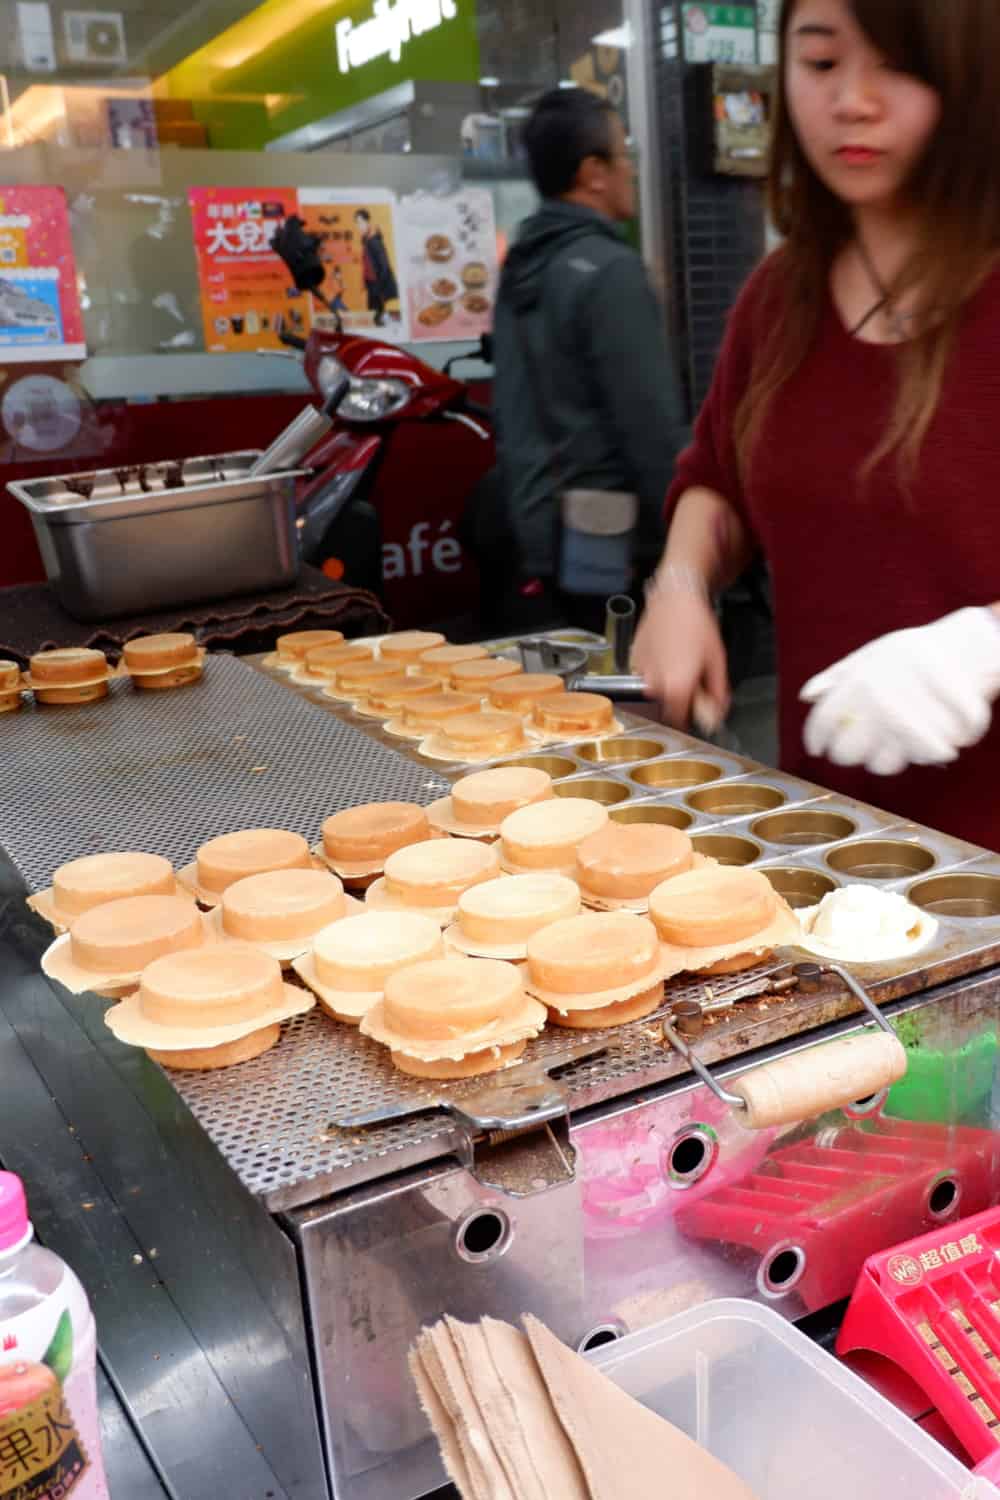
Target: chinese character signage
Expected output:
[41,1453]
[40,317]
[360,252]
[450,264]
[246,291]
[908,1270]
[720,33]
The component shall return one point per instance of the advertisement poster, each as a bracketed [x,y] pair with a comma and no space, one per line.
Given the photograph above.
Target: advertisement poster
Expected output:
[40,317]
[361,255]
[246,290]
[132,124]
[603,70]
[742,119]
[450,261]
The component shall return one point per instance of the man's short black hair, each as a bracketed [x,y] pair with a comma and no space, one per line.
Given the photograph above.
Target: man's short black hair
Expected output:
[566,126]
[363,213]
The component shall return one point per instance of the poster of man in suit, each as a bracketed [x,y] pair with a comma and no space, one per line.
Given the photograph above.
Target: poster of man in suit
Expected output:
[359,251]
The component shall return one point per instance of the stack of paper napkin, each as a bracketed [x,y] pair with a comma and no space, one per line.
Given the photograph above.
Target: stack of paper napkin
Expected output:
[521,1417]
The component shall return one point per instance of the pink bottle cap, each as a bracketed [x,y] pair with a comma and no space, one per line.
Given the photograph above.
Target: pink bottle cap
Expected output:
[14,1224]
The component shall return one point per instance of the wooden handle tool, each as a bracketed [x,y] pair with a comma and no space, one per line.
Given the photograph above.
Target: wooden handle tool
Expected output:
[810,1083]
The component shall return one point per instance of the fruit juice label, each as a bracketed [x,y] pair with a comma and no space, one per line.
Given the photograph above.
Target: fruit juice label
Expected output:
[41,1453]
[49,1424]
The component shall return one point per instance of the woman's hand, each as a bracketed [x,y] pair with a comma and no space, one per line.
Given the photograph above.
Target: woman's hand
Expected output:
[678,647]
[679,652]
[912,698]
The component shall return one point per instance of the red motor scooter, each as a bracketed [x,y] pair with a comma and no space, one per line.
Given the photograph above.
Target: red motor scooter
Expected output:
[391,480]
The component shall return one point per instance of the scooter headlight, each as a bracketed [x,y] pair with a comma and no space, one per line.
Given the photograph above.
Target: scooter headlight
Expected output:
[372,400]
[329,372]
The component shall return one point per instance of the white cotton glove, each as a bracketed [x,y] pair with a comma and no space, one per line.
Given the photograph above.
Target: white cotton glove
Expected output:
[913,698]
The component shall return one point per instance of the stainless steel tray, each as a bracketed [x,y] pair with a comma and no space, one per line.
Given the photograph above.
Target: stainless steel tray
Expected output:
[129,488]
[120,541]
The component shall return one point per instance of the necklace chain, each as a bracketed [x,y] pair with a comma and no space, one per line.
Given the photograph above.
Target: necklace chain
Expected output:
[900,323]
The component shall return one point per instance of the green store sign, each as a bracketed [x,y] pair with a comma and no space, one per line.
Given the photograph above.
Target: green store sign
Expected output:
[731,15]
[338,57]
[720,33]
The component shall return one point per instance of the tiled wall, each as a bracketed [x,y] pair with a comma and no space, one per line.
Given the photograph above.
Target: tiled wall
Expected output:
[716,235]
[717,226]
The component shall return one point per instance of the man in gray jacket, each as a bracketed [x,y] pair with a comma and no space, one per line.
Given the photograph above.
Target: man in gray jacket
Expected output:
[579,329]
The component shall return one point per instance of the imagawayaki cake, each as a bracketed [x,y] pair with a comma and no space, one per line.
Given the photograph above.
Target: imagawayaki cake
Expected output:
[479,803]
[429,878]
[349,963]
[720,920]
[454,1018]
[358,841]
[496,919]
[107,948]
[599,969]
[222,861]
[546,835]
[281,911]
[209,1009]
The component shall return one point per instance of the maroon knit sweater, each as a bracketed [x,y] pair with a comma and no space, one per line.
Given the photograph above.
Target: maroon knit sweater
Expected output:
[852,562]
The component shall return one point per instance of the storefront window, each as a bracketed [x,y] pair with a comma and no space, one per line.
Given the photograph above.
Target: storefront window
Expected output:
[147,154]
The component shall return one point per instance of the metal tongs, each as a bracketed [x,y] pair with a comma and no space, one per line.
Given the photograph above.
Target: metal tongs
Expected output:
[538,654]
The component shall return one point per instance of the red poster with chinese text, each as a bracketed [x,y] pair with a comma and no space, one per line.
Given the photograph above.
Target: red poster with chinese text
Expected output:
[40,317]
[246,290]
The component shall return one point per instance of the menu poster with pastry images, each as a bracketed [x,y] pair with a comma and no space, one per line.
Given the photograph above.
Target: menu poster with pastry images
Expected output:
[40,316]
[247,292]
[360,251]
[450,250]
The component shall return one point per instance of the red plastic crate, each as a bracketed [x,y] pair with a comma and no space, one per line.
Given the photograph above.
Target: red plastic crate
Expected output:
[815,1211]
[933,1306]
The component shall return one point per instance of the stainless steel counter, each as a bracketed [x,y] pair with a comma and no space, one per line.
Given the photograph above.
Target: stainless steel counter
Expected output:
[131,1470]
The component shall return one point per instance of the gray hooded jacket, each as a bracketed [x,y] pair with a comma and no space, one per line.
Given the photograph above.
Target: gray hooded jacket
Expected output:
[578,298]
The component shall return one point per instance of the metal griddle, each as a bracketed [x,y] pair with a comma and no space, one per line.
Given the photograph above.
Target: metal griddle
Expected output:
[335,1242]
[165,772]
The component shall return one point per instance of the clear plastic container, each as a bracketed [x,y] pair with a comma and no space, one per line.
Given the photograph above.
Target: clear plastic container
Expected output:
[781,1412]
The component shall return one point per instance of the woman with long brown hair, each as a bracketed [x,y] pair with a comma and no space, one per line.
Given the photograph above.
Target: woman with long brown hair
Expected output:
[853,427]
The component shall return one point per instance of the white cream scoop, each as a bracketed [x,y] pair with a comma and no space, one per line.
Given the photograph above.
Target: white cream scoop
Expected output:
[861,924]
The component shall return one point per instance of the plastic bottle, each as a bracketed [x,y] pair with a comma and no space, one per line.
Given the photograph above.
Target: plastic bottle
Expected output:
[49,1428]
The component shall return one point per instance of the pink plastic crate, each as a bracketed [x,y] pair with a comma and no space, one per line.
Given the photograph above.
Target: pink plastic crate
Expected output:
[933,1306]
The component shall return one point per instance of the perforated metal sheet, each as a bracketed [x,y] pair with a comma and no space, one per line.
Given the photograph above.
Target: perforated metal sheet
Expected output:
[163,772]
